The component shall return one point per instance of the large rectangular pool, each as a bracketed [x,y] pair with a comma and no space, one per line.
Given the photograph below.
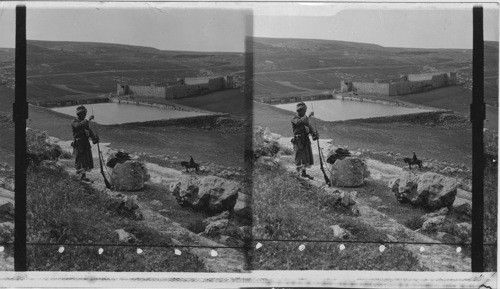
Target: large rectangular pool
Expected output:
[118,113]
[336,109]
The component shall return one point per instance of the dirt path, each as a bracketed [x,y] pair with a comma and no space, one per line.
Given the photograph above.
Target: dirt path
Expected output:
[227,260]
[433,257]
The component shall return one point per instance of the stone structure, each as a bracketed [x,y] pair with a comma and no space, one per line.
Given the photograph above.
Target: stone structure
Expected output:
[411,83]
[185,87]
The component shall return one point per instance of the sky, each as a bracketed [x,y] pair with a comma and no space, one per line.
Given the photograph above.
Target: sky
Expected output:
[221,26]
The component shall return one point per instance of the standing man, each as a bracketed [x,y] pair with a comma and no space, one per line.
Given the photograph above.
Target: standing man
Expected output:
[301,143]
[81,145]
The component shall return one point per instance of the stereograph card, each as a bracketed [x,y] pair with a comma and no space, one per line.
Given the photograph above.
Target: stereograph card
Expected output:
[248,144]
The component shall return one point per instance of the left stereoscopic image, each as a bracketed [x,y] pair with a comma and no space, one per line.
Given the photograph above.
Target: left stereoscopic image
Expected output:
[136,131]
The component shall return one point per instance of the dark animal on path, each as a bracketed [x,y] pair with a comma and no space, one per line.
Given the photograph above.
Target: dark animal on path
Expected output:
[338,154]
[411,161]
[190,165]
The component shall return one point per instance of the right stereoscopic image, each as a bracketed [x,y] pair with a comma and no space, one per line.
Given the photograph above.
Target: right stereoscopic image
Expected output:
[363,138]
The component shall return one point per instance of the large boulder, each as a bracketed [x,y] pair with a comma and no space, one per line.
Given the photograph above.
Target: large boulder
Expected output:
[40,147]
[129,176]
[430,190]
[221,226]
[349,172]
[208,193]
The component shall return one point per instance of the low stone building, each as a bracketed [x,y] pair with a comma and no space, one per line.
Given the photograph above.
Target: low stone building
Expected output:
[407,84]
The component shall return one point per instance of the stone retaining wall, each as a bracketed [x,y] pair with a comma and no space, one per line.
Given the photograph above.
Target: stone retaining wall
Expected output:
[70,102]
[201,120]
[288,99]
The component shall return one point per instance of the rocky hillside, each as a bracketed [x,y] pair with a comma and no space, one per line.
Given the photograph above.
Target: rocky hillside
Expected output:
[394,204]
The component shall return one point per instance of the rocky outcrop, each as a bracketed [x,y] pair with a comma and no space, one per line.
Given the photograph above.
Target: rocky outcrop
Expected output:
[40,147]
[220,226]
[125,205]
[428,190]
[265,143]
[129,176]
[208,193]
[349,172]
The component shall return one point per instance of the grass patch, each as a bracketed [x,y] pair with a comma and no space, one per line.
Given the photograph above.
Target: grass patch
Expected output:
[328,256]
[64,211]
[286,208]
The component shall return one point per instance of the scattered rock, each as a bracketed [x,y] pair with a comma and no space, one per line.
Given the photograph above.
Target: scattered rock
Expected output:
[340,233]
[428,190]
[125,237]
[382,208]
[129,176]
[346,199]
[375,199]
[215,228]
[391,238]
[355,211]
[242,208]
[124,204]
[222,216]
[447,238]
[220,225]
[247,232]
[331,197]
[6,232]
[130,203]
[464,231]
[156,203]
[464,209]
[441,212]
[433,224]
[208,193]
[230,241]
[6,209]
[349,172]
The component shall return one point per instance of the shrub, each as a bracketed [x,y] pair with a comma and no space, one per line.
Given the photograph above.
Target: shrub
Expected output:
[414,223]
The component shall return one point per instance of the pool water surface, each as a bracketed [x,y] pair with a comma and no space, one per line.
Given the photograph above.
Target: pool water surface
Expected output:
[118,113]
[336,109]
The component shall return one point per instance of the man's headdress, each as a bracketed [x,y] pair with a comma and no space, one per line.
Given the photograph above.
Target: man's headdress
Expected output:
[301,106]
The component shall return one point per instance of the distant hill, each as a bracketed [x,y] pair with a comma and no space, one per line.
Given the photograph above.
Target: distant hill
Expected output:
[313,53]
[71,57]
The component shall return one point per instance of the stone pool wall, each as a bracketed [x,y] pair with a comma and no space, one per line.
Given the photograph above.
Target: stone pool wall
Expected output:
[288,99]
[420,117]
[201,120]
[69,102]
